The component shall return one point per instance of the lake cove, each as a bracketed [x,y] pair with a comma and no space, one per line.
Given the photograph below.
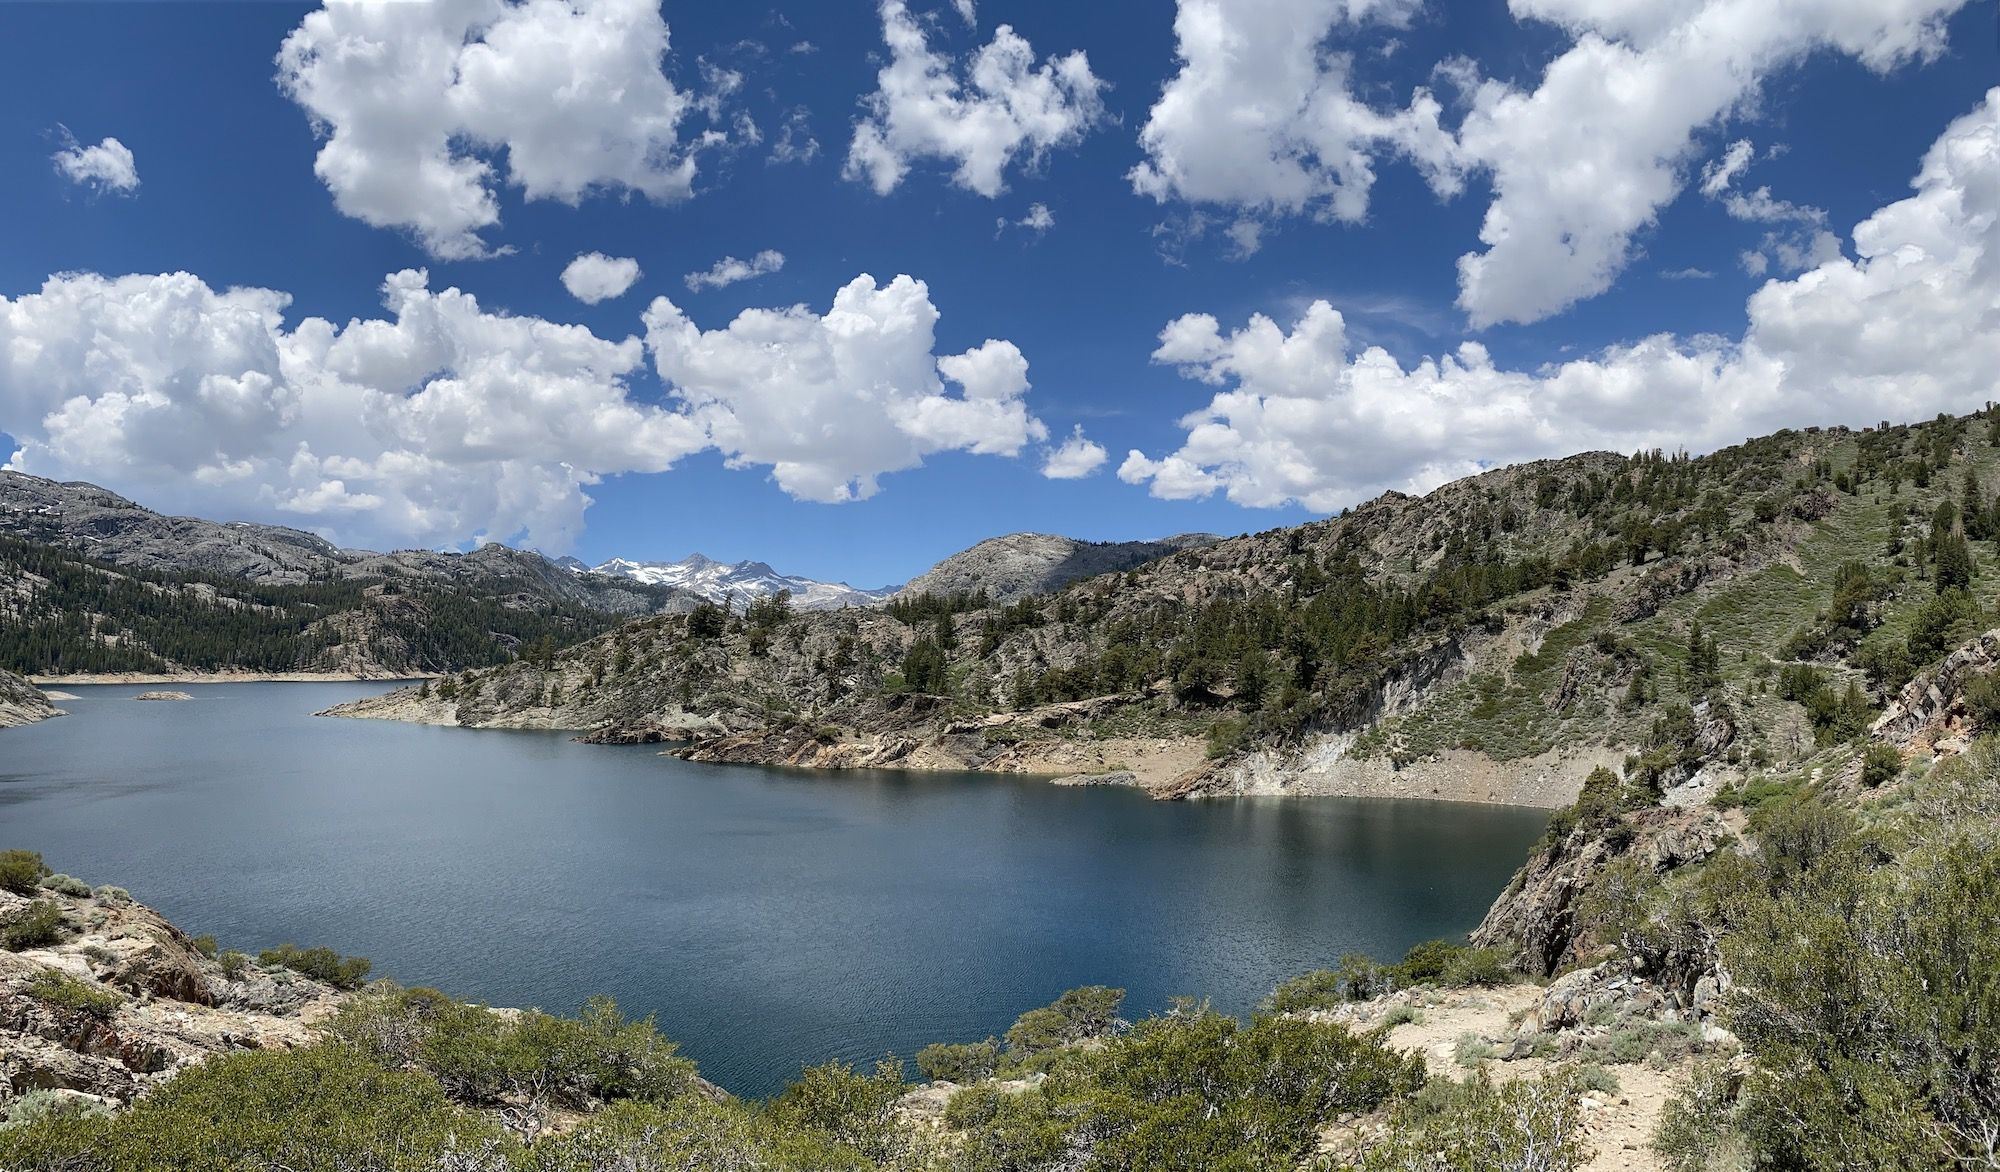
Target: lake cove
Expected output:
[769,918]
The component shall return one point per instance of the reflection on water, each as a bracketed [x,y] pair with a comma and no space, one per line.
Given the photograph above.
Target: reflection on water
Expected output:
[769,918]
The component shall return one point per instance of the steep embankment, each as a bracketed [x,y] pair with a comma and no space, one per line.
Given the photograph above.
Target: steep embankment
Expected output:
[22,703]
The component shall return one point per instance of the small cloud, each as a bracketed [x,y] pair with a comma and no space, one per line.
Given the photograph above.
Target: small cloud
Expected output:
[1246,236]
[805,48]
[729,270]
[594,277]
[106,167]
[1688,274]
[1038,220]
[796,143]
[1075,459]
[1720,173]
[967,11]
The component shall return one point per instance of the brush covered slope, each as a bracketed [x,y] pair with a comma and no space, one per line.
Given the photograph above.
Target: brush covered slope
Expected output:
[1496,640]
[90,582]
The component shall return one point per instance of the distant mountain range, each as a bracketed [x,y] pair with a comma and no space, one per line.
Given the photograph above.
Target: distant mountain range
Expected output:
[741,581]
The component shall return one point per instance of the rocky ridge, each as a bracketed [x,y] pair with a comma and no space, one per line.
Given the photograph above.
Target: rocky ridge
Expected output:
[105,527]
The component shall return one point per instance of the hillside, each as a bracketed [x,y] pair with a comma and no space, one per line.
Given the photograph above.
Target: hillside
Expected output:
[90,582]
[1495,640]
[1007,569]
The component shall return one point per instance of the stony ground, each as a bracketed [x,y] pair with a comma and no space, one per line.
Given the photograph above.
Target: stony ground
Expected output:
[165,1004]
[1620,1125]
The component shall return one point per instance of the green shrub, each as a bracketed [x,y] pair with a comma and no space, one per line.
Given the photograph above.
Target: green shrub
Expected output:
[1880,765]
[110,894]
[37,1105]
[1476,1126]
[1471,1050]
[1400,1014]
[66,885]
[1080,1014]
[21,872]
[483,1058]
[205,945]
[58,988]
[234,964]
[851,1108]
[1480,967]
[36,926]
[1190,1091]
[1596,1080]
[690,1133]
[321,964]
[1356,978]
[324,1108]
[961,1063]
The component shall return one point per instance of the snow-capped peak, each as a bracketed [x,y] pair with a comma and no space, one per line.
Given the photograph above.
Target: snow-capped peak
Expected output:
[741,581]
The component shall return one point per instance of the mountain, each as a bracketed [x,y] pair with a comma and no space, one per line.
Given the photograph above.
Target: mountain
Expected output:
[91,582]
[1020,564]
[1498,639]
[105,527]
[743,581]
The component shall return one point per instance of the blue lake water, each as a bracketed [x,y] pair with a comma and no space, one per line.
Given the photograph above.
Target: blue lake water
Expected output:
[768,918]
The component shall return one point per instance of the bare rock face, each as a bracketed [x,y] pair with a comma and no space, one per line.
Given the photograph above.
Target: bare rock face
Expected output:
[162,1004]
[1931,708]
[22,703]
[1536,918]
[1021,564]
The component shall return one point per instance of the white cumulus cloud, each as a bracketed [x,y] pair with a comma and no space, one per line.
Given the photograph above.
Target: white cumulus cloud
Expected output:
[1264,118]
[999,107]
[106,167]
[442,422]
[1261,116]
[831,402]
[729,270]
[1075,459]
[593,277]
[1903,329]
[427,108]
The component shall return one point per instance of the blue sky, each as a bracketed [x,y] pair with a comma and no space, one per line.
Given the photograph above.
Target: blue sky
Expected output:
[1840,108]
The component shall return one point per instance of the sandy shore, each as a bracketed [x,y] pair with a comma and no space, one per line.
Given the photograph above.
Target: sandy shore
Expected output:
[223,677]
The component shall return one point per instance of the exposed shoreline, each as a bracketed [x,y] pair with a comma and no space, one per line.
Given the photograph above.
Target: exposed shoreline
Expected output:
[221,677]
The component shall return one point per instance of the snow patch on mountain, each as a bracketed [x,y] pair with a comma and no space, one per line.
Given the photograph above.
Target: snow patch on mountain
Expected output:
[741,581]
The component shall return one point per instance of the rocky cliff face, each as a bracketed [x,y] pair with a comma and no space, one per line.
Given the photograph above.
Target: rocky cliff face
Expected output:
[123,999]
[22,703]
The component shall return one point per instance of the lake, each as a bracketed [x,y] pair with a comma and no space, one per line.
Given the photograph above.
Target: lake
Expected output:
[768,918]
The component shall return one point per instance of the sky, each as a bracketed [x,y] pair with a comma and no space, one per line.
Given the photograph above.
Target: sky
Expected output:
[846,287]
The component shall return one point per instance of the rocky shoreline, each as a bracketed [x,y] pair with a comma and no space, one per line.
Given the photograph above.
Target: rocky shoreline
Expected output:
[22,703]
[119,1000]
